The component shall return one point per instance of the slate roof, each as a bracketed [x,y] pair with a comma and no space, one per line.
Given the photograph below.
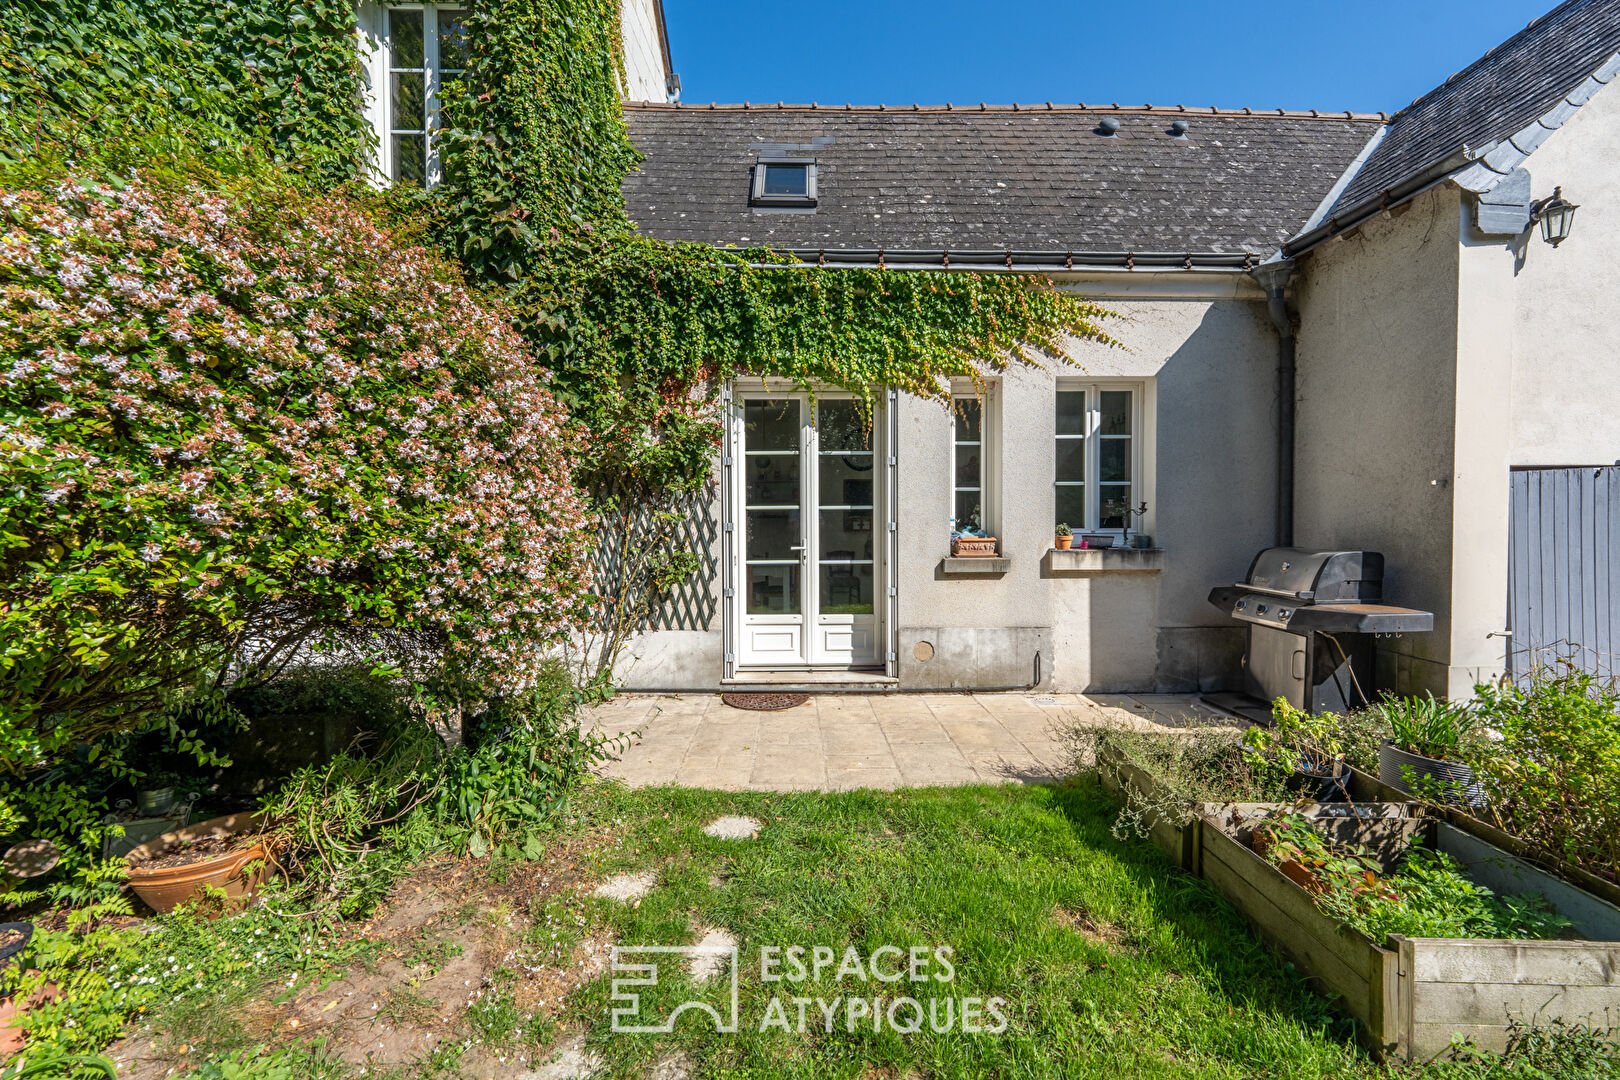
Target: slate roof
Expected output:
[1027,178]
[1505,90]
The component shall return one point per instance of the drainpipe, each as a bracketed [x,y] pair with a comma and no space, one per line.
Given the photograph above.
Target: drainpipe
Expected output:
[1273,277]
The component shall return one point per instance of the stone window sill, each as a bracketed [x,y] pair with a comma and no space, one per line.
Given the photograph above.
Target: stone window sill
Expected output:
[974,567]
[1105,560]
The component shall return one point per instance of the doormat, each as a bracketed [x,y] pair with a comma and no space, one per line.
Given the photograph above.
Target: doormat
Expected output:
[764,702]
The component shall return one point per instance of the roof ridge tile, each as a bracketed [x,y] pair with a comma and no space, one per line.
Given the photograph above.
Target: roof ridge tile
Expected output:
[1014,107]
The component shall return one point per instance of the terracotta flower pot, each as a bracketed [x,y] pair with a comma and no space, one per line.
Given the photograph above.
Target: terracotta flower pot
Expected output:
[1062,542]
[1292,869]
[165,888]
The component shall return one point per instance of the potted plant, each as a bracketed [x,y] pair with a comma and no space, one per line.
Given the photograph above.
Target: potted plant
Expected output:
[1423,754]
[1312,749]
[158,794]
[1063,538]
[224,852]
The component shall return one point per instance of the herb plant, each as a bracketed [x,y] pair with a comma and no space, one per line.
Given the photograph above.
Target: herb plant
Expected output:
[1428,726]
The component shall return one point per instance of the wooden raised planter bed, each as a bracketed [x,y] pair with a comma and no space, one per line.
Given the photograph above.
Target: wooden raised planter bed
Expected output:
[1460,818]
[1410,995]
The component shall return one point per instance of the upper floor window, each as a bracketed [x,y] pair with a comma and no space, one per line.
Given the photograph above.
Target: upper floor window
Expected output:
[784,182]
[425,45]
[1096,456]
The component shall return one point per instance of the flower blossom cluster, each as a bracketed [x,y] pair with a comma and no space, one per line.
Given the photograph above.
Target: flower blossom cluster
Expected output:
[226,402]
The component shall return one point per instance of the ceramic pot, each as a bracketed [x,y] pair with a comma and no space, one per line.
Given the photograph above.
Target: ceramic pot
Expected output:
[1062,542]
[1430,778]
[165,888]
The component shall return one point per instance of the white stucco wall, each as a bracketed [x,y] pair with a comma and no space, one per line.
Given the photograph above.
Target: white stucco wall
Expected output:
[645,72]
[1376,421]
[1565,303]
[1208,370]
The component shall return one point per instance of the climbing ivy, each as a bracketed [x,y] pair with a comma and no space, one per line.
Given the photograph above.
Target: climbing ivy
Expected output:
[637,335]
[640,333]
[185,76]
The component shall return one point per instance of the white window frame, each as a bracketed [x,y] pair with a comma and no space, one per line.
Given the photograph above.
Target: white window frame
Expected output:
[1093,438]
[757,195]
[381,109]
[989,458]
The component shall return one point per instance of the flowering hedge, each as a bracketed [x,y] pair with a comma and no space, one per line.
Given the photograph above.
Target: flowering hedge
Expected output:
[238,422]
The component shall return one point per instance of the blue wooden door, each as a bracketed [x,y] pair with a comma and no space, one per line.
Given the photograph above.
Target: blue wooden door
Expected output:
[1564,568]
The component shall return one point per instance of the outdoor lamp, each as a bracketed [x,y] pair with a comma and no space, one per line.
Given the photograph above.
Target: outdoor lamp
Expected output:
[1556,215]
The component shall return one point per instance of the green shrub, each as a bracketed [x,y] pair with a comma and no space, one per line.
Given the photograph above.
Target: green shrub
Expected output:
[1553,778]
[238,422]
[1193,768]
[1427,896]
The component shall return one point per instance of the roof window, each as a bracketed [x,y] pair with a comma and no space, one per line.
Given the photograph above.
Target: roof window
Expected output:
[784,182]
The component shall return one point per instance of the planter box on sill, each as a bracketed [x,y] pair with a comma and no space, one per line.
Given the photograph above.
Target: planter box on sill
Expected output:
[973,547]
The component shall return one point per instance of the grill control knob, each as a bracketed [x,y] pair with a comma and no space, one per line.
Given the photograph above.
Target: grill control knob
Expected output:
[1284,613]
[1242,605]
[1261,609]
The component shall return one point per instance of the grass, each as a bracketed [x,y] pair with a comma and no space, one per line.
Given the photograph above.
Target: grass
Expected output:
[1110,962]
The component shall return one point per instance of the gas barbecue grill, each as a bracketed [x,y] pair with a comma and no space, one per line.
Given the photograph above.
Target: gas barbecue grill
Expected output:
[1313,616]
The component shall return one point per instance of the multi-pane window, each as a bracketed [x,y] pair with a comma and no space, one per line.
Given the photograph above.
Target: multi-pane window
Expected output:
[427,45]
[845,507]
[1096,457]
[967,470]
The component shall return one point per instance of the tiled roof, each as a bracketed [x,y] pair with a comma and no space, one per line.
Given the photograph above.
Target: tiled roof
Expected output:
[1026,178]
[1504,91]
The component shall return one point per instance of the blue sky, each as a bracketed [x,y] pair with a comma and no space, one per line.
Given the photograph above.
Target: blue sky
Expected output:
[1308,54]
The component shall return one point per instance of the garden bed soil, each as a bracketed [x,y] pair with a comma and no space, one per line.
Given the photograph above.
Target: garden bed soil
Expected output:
[209,847]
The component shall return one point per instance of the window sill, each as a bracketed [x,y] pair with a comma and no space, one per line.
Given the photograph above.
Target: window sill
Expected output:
[1105,560]
[951,566]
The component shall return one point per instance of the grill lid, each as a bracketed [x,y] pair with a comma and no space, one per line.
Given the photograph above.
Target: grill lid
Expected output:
[1318,577]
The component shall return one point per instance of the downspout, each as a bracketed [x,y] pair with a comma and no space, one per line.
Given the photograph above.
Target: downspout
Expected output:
[1273,278]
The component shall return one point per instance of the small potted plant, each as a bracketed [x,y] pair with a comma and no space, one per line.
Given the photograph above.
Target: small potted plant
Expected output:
[1063,538]
[1310,747]
[1423,755]
[971,541]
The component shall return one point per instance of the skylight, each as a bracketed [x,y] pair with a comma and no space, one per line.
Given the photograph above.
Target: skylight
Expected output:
[784,182]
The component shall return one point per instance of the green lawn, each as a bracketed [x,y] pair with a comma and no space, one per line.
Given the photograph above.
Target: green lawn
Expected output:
[1112,964]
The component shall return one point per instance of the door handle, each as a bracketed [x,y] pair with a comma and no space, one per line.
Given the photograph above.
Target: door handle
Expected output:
[796,547]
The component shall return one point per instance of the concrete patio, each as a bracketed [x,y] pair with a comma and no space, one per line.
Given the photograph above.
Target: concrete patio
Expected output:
[836,742]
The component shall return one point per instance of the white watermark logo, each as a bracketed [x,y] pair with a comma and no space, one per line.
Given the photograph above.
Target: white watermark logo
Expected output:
[903,990]
[645,974]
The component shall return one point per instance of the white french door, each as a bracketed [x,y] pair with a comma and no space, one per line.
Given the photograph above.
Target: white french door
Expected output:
[811,540]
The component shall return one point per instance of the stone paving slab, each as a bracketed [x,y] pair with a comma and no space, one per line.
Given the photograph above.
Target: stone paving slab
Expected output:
[839,742]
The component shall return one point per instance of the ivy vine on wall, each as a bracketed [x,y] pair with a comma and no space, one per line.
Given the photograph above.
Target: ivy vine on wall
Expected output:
[638,335]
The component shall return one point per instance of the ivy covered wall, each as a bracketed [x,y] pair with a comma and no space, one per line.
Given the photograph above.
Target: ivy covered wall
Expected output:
[280,74]
[636,335]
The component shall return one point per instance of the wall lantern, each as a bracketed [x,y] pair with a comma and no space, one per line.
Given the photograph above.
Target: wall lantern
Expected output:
[1556,215]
